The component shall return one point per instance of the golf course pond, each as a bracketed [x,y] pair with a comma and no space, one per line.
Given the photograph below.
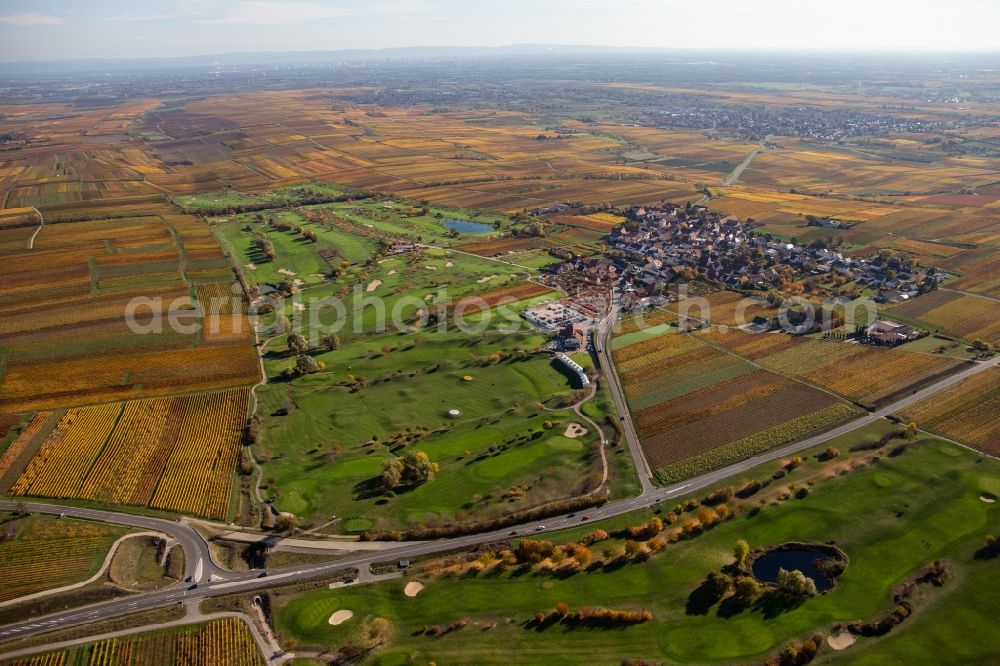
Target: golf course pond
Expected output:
[467,227]
[819,562]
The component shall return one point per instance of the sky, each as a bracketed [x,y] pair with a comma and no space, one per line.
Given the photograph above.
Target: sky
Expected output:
[77,29]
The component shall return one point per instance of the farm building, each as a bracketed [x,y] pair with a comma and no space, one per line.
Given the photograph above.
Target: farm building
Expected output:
[889,332]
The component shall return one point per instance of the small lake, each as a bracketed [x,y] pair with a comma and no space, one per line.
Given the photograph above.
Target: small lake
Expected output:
[467,227]
[766,567]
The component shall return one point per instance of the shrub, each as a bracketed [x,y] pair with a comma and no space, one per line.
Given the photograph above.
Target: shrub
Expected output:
[720,495]
[746,590]
[796,461]
[717,584]
[795,584]
[748,489]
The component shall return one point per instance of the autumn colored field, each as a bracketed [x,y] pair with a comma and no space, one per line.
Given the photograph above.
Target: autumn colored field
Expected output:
[966,412]
[49,552]
[64,314]
[859,373]
[966,316]
[222,642]
[697,407]
[177,454]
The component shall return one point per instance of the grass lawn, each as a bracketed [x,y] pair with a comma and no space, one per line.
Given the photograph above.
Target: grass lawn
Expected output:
[932,343]
[627,339]
[917,507]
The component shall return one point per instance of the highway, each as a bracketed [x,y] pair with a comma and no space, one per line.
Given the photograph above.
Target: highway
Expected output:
[214,581]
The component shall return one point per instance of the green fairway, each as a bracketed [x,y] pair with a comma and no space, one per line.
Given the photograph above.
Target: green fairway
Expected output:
[917,507]
[405,406]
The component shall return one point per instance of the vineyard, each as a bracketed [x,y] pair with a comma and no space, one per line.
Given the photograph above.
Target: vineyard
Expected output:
[48,382]
[177,454]
[224,642]
[695,405]
[968,317]
[24,441]
[857,372]
[966,412]
[52,552]
[64,314]
[724,308]
[634,323]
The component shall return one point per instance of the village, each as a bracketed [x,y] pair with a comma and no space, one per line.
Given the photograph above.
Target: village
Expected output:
[667,244]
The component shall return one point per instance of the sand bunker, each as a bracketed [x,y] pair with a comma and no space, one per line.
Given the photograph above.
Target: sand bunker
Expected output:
[841,641]
[989,498]
[373,285]
[252,267]
[341,617]
[431,268]
[485,279]
[285,271]
[449,264]
[413,588]
[299,306]
[392,272]
[574,430]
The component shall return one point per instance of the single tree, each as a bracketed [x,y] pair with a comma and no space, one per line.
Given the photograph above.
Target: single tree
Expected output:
[296,343]
[740,551]
[331,341]
[306,365]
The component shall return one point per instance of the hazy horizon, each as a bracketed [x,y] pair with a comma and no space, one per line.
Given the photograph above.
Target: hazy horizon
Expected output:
[114,29]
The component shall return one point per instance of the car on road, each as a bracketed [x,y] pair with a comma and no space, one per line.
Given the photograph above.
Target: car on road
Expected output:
[584,518]
[193,587]
[540,528]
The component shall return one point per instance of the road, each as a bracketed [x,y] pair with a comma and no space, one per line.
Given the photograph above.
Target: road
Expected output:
[602,345]
[735,174]
[41,223]
[229,583]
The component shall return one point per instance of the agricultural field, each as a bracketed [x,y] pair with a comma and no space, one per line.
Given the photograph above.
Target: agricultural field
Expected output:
[723,308]
[696,407]
[66,336]
[919,507]
[145,453]
[862,374]
[223,642]
[962,315]
[967,412]
[40,552]
[356,216]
